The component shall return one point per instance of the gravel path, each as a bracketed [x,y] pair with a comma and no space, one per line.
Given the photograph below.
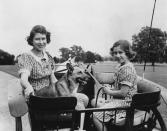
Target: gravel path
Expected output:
[7,122]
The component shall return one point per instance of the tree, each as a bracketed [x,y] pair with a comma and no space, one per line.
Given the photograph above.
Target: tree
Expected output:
[90,57]
[149,44]
[6,58]
[98,57]
[79,53]
[65,53]
[76,50]
[165,49]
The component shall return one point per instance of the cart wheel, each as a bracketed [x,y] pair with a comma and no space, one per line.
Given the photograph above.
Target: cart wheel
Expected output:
[158,122]
[18,124]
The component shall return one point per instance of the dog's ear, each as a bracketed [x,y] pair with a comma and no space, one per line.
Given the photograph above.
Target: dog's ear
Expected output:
[69,68]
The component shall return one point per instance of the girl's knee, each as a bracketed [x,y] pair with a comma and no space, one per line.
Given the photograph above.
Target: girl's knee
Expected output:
[86,99]
[100,102]
[80,106]
[83,99]
[98,124]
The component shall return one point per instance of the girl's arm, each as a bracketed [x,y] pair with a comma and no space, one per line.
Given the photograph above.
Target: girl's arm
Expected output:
[53,67]
[53,78]
[28,89]
[117,93]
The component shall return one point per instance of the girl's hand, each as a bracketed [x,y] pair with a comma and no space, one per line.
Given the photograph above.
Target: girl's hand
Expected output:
[101,100]
[106,89]
[28,91]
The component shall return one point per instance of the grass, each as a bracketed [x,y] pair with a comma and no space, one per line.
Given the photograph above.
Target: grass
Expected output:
[10,69]
[159,75]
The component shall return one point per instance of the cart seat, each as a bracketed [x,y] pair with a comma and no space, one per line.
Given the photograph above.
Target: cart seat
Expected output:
[147,98]
[52,113]
[139,117]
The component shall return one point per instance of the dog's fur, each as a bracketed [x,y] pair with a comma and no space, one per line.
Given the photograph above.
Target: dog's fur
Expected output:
[67,85]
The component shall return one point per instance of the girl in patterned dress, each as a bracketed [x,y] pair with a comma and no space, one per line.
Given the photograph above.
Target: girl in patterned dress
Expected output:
[125,82]
[36,67]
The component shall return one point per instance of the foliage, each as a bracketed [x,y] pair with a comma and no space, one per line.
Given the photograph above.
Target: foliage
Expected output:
[98,57]
[6,58]
[90,57]
[65,53]
[79,53]
[149,44]
[108,58]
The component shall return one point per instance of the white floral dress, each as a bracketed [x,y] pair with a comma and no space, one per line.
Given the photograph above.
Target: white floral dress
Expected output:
[125,75]
[38,70]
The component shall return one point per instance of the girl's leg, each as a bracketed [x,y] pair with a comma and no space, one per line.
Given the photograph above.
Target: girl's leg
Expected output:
[82,98]
[82,102]
[82,121]
[98,124]
[100,102]
[80,106]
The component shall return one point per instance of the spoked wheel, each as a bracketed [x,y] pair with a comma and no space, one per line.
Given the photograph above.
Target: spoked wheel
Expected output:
[157,123]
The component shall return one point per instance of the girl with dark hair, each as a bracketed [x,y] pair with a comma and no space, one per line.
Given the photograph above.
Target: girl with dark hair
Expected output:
[36,67]
[126,47]
[125,82]
[38,29]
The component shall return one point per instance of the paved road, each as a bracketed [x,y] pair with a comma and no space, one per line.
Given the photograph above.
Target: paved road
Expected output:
[7,122]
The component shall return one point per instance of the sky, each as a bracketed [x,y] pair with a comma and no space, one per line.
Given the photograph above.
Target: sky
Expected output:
[92,24]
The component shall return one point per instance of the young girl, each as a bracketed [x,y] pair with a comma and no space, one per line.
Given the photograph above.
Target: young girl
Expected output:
[125,81]
[36,67]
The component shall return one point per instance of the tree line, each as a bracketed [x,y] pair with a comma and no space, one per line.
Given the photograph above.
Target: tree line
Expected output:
[149,44]
[79,53]
[6,58]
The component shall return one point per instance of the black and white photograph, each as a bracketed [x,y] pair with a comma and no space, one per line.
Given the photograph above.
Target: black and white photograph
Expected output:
[83,65]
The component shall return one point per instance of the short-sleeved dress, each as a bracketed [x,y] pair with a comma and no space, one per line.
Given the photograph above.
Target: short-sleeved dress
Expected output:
[125,75]
[38,70]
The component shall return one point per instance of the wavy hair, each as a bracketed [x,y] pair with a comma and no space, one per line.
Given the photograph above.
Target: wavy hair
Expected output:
[126,47]
[38,29]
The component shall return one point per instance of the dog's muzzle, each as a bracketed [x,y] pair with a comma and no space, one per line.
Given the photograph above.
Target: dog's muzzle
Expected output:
[81,81]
